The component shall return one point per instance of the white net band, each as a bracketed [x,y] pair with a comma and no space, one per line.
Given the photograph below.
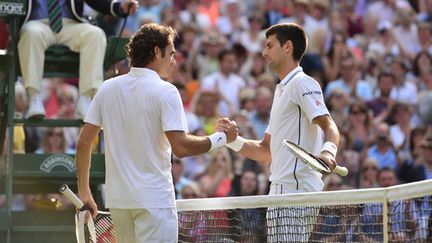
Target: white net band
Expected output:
[395,214]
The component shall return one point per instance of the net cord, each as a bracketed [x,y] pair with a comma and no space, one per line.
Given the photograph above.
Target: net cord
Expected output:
[357,196]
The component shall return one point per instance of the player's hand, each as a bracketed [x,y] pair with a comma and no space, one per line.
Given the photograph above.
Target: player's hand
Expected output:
[87,199]
[329,159]
[228,127]
[129,6]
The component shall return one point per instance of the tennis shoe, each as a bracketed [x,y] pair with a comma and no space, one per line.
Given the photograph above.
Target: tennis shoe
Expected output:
[36,109]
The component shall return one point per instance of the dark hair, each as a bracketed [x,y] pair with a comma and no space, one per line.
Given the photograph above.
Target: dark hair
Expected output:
[385,169]
[140,48]
[224,53]
[416,68]
[290,32]
[386,74]
[421,130]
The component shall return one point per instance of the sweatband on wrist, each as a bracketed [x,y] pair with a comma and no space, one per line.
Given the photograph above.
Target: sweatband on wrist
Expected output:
[237,144]
[217,139]
[329,147]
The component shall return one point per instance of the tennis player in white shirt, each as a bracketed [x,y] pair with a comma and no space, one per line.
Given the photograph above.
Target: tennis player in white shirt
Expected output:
[299,115]
[144,122]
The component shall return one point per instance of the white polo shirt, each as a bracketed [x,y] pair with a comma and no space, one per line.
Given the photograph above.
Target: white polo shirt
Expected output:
[297,101]
[135,110]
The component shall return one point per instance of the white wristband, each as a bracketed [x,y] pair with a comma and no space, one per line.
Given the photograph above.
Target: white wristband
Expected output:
[217,139]
[237,144]
[330,147]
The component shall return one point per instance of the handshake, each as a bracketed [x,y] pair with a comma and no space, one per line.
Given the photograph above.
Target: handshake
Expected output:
[229,128]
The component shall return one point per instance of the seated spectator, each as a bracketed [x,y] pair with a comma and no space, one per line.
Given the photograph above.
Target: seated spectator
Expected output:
[260,116]
[404,90]
[385,45]
[337,51]
[252,38]
[337,103]
[247,97]
[205,106]
[246,185]
[422,168]
[358,127]
[54,142]
[425,36]
[46,25]
[226,83]
[382,105]
[382,150]
[369,173]
[232,21]
[400,131]
[216,181]
[205,58]
[349,82]
[333,182]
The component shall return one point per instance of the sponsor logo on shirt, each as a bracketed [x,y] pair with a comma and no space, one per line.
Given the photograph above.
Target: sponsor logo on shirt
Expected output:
[316,92]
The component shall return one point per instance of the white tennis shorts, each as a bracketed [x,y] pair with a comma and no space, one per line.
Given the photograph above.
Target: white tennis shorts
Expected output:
[145,225]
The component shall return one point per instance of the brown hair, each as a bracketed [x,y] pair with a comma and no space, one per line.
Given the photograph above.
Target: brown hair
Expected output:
[141,46]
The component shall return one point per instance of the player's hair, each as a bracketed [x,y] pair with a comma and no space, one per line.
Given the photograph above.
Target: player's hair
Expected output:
[141,46]
[290,32]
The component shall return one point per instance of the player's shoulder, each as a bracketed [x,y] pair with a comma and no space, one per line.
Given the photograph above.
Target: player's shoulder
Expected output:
[302,79]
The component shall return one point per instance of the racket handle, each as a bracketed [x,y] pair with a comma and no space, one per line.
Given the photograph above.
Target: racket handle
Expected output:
[64,189]
[341,170]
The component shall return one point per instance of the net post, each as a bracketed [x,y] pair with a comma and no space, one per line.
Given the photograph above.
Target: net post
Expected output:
[385,218]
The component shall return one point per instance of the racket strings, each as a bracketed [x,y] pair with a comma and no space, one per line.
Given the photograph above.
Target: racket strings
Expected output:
[104,228]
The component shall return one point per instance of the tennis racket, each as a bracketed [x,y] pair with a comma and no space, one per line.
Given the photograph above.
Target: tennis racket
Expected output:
[100,230]
[313,161]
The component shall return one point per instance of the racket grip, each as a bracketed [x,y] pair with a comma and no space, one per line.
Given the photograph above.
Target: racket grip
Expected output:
[341,170]
[64,189]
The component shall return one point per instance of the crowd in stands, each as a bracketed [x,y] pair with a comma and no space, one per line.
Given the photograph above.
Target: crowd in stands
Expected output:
[373,60]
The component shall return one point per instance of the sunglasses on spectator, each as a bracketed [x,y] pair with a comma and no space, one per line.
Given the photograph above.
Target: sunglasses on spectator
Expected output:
[357,112]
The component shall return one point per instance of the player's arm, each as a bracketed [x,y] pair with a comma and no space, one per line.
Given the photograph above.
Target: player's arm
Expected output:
[83,159]
[331,139]
[184,144]
[258,150]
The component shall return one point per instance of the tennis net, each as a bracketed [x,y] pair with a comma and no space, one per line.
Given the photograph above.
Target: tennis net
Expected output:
[395,214]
